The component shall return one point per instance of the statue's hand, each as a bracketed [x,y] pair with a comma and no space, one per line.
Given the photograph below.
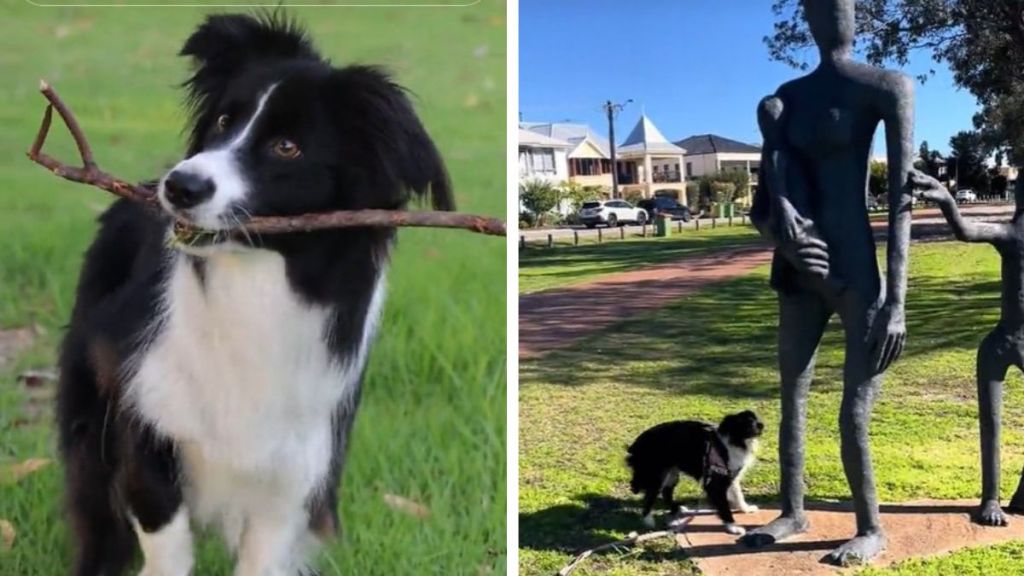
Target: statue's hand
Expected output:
[925,187]
[802,245]
[887,337]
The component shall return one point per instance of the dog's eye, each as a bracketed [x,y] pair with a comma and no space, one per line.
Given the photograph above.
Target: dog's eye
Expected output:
[222,122]
[286,149]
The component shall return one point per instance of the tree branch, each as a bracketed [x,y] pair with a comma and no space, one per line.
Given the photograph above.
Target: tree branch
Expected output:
[631,540]
[90,173]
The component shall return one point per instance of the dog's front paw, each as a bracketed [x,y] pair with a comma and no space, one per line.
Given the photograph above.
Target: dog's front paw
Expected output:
[749,509]
[649,521]
[735,529]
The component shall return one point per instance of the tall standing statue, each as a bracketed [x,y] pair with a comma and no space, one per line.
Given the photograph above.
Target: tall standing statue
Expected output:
[811,203]
[1003,346]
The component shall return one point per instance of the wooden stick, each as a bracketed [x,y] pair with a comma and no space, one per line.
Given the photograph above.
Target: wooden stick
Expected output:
[631,540]
[89,173]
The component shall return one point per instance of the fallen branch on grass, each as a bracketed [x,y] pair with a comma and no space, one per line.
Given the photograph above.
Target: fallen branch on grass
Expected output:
[631,540]
[90,173]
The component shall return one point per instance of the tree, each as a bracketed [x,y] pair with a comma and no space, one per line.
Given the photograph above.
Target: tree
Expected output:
[539,198]
[929,161]
[575,194]
[982,42]
[967,153]
[878,178]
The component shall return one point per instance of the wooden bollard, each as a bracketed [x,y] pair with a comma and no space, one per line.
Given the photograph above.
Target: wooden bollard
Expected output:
[697,224]
[714,222]
[643,228]
[551,241]
[730,221]
[622,233]
[680,226]
[598,235]
[575,237]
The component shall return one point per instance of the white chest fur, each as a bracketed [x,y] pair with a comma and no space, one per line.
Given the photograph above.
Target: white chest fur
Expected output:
[240,377]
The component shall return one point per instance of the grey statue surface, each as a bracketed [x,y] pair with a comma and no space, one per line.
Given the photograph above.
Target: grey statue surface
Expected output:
[811,204]
[1003,346]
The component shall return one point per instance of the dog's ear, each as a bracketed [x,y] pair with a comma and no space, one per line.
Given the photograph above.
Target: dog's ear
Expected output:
[377,123]
[224,44]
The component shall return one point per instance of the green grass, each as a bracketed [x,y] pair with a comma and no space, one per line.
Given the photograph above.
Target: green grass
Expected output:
[546,268]
[714,353]
[432,424]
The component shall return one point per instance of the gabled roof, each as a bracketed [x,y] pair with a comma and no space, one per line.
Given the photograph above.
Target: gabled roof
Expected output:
[572,133]
[532,139]
[646,138]
[577,143]
[714,144]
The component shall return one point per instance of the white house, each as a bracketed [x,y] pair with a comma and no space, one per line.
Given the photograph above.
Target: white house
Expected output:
[588,158]
[708,154]
[542,157]
[649,164]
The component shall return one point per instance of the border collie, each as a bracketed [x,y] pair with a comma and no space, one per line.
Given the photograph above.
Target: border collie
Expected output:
[213,379]
[716,457]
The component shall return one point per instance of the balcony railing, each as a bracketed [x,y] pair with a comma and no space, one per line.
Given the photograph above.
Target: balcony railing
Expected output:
[667,176]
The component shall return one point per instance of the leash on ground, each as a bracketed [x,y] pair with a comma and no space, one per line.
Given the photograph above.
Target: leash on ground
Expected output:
[633,539]
[145,193]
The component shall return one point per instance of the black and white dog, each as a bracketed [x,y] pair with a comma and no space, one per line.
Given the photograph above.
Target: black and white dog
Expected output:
[212,378]
[715,457]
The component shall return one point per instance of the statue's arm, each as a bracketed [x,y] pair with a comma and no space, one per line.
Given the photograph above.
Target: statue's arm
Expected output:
[899,138]
[964,230]
[772,208]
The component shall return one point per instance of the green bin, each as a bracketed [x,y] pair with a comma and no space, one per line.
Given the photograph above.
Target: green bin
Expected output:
[726,210]
[663,225]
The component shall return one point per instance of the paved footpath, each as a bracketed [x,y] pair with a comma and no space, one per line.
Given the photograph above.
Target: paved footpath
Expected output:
[560,317]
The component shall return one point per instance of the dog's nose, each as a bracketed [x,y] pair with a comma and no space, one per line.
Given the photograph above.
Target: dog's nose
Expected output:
[185,190]
[760,426]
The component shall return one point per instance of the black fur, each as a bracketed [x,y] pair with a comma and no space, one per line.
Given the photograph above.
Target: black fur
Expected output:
[693,448]
[363,147]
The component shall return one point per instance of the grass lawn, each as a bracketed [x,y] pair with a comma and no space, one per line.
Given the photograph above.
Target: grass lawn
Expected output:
[715,353]
[432,425]
[546,268]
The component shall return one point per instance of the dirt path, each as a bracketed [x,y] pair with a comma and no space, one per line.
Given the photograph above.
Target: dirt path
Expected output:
[559,318]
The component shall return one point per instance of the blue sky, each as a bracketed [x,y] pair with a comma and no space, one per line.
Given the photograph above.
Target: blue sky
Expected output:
[694,66]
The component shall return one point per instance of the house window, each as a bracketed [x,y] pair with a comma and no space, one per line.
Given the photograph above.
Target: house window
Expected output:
[689,169]
[542,161]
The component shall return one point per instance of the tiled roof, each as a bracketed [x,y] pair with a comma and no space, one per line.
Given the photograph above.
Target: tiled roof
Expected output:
[713,144]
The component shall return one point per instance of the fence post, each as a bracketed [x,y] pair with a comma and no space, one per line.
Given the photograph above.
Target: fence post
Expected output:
[714,222]
[730,221]
[622,233]
[575,237]
[743,219]
[697,224]
[644,230]
[598,235]
[680,226]
[551,241]
[522,242]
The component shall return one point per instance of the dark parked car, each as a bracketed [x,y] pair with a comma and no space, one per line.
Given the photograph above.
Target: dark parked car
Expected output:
[663,205]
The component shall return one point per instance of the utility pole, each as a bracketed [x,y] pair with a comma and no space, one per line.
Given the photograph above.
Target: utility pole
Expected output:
[611,109]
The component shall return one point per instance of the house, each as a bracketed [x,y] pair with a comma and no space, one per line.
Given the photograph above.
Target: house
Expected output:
[588,158]
[542,157]
[708,154]
[649,164]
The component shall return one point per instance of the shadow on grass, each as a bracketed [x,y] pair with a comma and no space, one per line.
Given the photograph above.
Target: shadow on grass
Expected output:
[722,341]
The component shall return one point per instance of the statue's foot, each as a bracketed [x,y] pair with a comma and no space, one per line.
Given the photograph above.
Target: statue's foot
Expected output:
[990,514]
[858,551]
[779,529]
[1016,505]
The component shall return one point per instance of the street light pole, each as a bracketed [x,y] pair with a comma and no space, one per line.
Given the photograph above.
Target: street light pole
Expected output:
[611,109]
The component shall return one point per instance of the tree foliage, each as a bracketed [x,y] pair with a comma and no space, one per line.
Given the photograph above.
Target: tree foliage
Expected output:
[878,178]
[539,198]
[967,158]
[929,161]
[982,42]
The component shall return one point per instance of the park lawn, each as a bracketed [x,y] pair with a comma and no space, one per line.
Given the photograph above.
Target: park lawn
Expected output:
[715,353]
[432,424]
[547,268]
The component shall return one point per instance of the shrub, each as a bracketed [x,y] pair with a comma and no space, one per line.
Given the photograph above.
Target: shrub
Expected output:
[539,198]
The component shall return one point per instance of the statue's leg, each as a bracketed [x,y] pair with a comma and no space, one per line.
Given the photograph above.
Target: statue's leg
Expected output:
[802,320]
[860,385]
[992,363]
[1016,504]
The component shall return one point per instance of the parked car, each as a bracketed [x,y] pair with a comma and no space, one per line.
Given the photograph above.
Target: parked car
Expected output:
[664,205]
[612,213]
[966,195]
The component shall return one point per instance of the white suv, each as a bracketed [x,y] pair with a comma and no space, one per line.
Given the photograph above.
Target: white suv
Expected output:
[612,213]
[966,195]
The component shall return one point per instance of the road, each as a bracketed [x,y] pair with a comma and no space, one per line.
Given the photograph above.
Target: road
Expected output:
[921,216]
